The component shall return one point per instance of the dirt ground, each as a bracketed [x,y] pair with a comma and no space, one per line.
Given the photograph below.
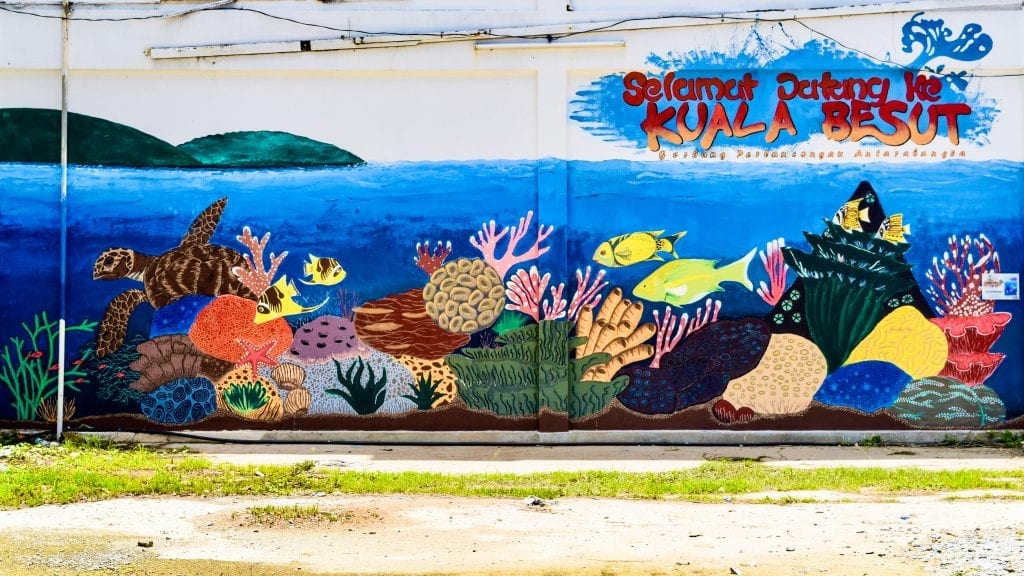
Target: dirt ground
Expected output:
[427,535]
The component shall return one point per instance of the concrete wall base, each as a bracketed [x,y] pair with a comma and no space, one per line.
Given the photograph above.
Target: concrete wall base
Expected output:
[576,437]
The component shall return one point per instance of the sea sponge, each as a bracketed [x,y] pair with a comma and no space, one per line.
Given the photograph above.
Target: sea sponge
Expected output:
[269,407]
[906,339]
[439,372]
[784,382]
[225,323]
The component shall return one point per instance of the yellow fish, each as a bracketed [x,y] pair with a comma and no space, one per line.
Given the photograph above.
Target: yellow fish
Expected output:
[278,301]
[636,247]
[892,229]
[682,282]
[322,271]
[849,216]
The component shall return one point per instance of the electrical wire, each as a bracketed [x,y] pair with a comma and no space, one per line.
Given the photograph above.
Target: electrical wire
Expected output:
[487,33]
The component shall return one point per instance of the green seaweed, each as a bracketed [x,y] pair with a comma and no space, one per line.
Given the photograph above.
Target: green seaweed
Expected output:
[364,399]
[530,371]
[112,375]
[848,277]
[29,366]
[424,393]
[246,398]
[509,321]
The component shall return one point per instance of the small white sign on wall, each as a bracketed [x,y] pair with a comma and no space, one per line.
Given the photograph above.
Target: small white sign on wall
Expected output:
[1000,286]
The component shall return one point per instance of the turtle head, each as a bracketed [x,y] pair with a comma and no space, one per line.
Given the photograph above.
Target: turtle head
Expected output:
[114,263]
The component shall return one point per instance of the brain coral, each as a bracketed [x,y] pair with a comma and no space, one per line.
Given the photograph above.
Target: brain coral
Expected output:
[865,386]
[906,339]
[939,402]
[464,296]
[181,401]
[784,382]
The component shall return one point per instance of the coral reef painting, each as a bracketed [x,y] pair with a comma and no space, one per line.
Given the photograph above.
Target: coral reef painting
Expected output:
[769,231]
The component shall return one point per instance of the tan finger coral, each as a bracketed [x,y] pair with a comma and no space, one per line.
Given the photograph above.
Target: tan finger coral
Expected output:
[614,331]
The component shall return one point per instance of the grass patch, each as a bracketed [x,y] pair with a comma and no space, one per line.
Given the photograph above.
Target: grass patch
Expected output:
[79,471]
[271,515]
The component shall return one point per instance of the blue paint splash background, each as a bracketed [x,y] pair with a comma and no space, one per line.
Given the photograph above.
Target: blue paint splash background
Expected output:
[601,111]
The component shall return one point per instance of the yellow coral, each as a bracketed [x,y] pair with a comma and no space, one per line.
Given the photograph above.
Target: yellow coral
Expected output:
[614,331]
[906,339]
[785,381]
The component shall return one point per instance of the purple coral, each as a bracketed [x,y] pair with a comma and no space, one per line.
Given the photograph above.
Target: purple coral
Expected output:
[325,338]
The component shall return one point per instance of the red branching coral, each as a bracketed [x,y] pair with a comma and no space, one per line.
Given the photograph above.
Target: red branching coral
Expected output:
[956,279]
[430,260]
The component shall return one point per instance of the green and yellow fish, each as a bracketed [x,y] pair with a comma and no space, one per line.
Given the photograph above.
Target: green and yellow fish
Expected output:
[278,301]
[682,282]
[892,229]
[850,215]
[636,247]
[323,271]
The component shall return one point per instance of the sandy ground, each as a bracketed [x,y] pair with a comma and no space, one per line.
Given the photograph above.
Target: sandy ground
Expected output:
[838,534]
[415,535]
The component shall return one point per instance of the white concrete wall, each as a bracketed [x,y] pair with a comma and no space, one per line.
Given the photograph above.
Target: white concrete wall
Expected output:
[450,100]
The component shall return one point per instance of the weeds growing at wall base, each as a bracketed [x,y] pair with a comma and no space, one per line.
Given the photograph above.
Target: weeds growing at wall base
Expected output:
[89,470]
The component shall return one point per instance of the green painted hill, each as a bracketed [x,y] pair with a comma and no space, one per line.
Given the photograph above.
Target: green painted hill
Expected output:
[32,135]
[265,149]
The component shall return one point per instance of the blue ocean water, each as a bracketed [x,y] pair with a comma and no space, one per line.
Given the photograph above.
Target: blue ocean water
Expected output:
[371,218]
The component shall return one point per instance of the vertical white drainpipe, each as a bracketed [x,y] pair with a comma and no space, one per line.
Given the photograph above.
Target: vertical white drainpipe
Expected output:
[62,339]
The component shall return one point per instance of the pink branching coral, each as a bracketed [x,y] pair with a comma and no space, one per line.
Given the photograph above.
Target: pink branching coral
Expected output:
[430,260]
[586,294]
[776,267]
[486,241]
[672,329]
[253,275]
[525,291]
[956,279]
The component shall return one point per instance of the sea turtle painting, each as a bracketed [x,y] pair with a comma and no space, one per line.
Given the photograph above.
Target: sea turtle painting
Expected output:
[192,267]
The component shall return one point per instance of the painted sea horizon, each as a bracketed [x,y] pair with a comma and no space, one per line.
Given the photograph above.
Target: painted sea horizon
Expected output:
[371,217]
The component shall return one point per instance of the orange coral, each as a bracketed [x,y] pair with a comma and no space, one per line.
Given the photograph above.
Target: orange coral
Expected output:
[226,324]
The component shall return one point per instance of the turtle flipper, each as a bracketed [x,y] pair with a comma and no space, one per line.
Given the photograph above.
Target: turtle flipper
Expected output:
[115,321]
[205,224]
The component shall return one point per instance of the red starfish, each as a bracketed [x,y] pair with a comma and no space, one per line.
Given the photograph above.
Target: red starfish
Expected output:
[254,356]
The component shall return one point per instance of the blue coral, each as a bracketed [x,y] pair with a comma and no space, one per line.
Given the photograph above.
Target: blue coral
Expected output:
[181,401]
[866,386]
[178,316]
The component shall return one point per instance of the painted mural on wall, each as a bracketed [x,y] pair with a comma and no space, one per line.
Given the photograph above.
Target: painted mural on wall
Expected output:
[265,280]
